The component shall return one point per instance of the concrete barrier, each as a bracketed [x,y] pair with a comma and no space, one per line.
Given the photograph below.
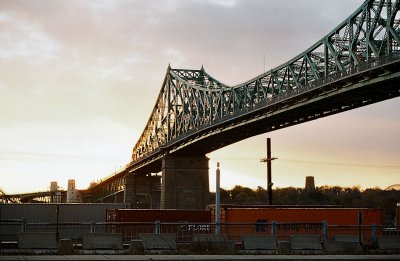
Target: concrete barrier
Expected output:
[389,242]
[343,244]
[65,246]
[256,242]
[165,241]
[37,240]
[93,241]
[341,248]
[305,242]
[212,244]
[347,238]
[284,248]
[136,247]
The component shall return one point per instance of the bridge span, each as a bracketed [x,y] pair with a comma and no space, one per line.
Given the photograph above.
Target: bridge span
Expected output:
[354,65]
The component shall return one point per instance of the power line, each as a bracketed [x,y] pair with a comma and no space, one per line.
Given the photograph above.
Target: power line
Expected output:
[363,165]
[316,162]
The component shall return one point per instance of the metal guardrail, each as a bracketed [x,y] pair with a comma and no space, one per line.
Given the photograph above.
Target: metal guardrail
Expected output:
[368,234]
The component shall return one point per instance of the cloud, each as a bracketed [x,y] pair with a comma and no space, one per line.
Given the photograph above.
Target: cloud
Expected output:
[175,56]
[22,40]
[224,3]
[68,63]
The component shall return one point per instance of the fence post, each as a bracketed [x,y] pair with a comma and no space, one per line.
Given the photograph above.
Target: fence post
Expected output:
[324,230]
[57,223]
[217,201]
[273,228]
[374,233]
[23,224]
[157,224]
[360,220]
[92,227]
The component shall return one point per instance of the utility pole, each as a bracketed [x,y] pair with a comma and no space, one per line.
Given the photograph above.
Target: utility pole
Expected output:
[268,160]
[217,201]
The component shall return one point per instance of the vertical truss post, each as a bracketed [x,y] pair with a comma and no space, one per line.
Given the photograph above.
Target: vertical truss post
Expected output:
[368,29]
[326,58]
[168,82]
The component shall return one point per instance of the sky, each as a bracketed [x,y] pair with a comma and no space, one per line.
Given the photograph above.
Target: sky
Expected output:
[79,79]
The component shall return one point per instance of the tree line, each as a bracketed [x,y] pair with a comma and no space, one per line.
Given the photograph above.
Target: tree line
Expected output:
[346,197]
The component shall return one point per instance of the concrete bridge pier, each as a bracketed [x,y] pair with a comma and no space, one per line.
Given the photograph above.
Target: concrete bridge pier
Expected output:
[185,183]
[142,191]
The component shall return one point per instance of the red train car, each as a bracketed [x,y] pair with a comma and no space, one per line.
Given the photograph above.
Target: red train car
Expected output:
[289,220]
[335,216]
[132,222]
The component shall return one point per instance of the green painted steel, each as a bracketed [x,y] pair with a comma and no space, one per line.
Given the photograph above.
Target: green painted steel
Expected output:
[190,100]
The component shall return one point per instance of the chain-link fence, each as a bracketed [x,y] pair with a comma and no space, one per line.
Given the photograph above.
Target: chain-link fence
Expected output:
[367,234]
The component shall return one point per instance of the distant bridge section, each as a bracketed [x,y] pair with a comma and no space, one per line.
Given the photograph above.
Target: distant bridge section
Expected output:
[34,197]
[356,64]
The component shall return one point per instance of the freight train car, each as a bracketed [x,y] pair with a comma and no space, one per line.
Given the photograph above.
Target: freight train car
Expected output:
[333,216]
[295,220]
[131,222]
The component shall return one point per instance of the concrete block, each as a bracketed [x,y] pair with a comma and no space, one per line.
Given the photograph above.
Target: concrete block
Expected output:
[65,246]
[209,238]
[342,248]
[102,241]
[212,244]
[256,242]
[37,240]
[136,247]
[305,242]
[347,238]
[284,248]
[389,242]
[165,241]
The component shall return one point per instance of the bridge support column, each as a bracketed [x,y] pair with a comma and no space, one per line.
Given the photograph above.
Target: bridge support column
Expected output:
[185,182]
[142,191]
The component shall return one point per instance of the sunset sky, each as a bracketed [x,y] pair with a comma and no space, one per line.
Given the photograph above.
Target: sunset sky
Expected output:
[78,80]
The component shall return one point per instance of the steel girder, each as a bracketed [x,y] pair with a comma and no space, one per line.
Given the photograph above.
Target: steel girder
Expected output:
[192,99]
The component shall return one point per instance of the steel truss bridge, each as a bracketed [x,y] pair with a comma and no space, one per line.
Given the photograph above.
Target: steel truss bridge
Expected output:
[35,197]
[354,65]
